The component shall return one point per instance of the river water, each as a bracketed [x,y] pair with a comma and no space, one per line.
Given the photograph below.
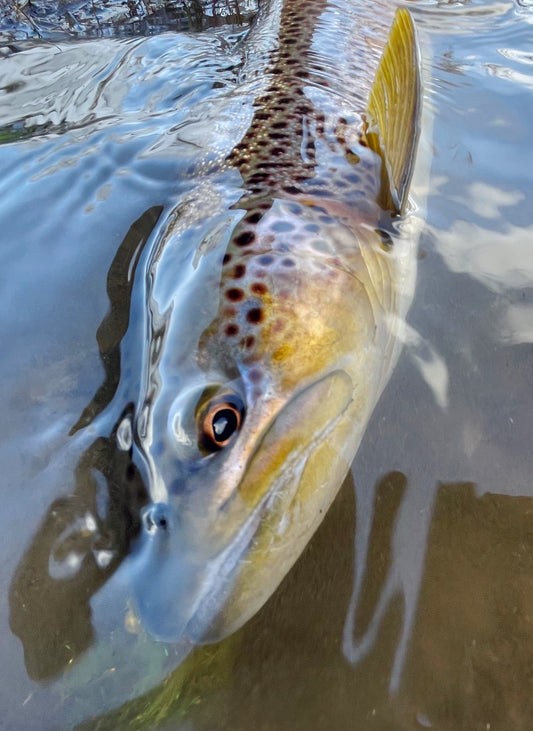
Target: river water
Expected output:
[411,608]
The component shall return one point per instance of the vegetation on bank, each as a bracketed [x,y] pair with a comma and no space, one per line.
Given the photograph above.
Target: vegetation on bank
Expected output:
[55,19]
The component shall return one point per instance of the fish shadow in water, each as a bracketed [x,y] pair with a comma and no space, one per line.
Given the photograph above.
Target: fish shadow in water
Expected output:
[85,536]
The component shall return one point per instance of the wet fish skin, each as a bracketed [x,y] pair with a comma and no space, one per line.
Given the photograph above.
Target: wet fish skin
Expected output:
[303,340]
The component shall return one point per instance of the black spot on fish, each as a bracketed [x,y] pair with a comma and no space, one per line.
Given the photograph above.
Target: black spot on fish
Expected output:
[255,315]
[245,238]
[231,330]
[249,341]
[239,271]
[226,259]
[273,164]
[254,217]
[291,189]
[234,294]
[259,177]
[288,262]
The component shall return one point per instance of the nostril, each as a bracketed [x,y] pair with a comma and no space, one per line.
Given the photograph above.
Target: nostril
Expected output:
[156,517]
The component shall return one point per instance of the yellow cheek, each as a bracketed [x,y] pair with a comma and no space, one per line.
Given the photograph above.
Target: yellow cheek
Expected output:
[282,353]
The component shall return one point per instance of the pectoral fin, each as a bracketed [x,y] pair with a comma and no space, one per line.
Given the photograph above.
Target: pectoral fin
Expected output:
[393,112]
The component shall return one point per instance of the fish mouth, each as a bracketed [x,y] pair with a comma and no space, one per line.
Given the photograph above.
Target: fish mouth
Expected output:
[186,589]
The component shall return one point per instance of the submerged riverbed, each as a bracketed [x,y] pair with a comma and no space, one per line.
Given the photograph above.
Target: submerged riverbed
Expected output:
[433,628]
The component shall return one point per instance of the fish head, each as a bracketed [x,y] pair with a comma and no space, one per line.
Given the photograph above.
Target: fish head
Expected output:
[248,452]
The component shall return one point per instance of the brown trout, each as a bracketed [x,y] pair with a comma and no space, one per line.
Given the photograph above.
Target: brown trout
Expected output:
[299,325]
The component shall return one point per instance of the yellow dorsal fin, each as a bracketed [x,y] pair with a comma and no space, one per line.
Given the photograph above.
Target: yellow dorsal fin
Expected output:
[393,112]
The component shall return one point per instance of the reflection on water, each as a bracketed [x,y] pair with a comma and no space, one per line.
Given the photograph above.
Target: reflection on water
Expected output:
[434,631]
[114,18]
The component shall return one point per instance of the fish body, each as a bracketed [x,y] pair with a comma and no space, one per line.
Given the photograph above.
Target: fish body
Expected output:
[300,302]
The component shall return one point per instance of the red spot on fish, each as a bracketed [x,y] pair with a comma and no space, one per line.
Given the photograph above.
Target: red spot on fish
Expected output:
[259,288]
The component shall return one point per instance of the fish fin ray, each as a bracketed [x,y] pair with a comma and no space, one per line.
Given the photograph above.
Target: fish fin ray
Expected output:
[393,112]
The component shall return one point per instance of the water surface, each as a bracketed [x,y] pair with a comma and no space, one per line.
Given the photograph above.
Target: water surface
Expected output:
[433,628]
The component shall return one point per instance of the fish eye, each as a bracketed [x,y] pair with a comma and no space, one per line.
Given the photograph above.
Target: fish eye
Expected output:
[220,421]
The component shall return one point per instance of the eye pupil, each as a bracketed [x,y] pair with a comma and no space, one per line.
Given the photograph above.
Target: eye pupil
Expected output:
[219,423]
[224,424]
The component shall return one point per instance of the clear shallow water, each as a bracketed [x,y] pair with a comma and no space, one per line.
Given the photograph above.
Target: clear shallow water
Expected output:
[442,481]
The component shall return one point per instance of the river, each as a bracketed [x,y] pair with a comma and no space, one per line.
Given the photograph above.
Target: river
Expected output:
[411,608]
